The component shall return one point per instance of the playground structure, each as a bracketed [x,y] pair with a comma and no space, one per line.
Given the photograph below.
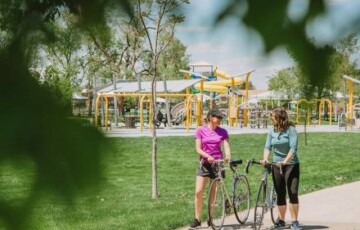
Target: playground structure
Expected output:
[311,103]
[130,89]
[182,112]
[216,88]
[199,91]
[257,116]
[351,110]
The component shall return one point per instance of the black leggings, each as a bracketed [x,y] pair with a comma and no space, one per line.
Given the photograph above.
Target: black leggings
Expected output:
[288,180]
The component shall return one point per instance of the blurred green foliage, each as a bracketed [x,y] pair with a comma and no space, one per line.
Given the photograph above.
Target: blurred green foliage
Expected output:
[34,124]
[65,154]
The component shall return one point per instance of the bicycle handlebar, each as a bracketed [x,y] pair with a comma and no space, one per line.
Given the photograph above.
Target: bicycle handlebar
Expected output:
[269,164]
[232,163]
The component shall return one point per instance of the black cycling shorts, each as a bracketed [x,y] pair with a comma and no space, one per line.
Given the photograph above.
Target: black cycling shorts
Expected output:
[208,170]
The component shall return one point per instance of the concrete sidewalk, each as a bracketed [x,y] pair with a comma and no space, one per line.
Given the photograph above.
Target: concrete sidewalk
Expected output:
[332,208]
[181,130]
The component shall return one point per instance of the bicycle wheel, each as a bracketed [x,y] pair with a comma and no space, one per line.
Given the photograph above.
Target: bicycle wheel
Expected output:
[260,203]
[273,197]
[216,205]
[241,198]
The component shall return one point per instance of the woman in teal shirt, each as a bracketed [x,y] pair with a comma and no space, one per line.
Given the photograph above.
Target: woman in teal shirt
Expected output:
[282,141]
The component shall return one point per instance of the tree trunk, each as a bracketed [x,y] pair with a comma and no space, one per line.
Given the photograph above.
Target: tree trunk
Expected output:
[154,194]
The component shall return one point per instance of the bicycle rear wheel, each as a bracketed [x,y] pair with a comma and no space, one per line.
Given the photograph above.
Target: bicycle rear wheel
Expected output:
[241,198]
[216,205]
[260,203]
[273,197]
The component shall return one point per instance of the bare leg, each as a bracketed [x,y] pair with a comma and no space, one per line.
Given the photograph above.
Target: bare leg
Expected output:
[199,192]
[282,211]
[294,210]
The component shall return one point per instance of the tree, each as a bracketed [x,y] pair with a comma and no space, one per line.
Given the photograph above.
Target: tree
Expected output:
[65,154]
[347,60]
[158,19]
[285,81]
[62,59]
[172,59]
[339,64]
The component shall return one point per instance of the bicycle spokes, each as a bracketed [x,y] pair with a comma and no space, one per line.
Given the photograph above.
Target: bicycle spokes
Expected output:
[216,209]
[241,199]
[260,206]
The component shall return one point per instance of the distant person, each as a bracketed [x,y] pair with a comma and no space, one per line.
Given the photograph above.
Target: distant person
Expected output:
[208,141]
[282,140]
[159,118]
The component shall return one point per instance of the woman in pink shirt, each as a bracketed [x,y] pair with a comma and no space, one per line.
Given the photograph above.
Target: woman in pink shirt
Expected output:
[208,139]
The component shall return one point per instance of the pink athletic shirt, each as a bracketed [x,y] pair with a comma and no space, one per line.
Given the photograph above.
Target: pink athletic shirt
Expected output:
[211,140]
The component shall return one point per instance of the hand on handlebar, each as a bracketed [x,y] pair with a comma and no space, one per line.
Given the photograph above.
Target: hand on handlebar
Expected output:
[264,162]
[227,159]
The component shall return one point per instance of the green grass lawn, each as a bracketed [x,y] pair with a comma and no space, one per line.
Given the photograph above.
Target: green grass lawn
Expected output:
[124,199]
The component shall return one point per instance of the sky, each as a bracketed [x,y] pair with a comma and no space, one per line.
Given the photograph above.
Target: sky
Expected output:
[235,49]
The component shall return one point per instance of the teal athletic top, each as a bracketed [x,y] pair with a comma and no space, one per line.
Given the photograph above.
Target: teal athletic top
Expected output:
[281,143]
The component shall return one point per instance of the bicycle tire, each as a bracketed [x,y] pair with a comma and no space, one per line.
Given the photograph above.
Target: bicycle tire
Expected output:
[260,203]
[241,198]
[216,205]
[273,212]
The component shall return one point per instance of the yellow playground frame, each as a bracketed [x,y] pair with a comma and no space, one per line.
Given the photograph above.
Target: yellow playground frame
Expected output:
[202,85]
[321,108]
[221,87]
[142,97]
[350,108]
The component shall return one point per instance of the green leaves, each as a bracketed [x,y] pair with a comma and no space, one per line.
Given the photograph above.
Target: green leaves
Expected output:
[273,24]
[65,153]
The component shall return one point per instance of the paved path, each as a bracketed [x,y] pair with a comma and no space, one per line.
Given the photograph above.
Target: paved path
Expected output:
[332,208]
[181,131]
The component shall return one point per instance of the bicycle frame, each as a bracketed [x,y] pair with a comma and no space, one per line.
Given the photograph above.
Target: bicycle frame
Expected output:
[266,196]
[219,170]
[221,199]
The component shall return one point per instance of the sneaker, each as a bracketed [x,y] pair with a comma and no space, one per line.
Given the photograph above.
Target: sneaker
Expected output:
[295,225]
[196,223]
[279,224]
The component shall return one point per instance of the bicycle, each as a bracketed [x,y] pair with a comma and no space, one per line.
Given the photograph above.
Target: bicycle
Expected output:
[266,195]
[220,203]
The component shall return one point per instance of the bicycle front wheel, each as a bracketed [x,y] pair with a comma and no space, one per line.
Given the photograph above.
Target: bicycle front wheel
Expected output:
[216,204]
[260,203]
[241,198]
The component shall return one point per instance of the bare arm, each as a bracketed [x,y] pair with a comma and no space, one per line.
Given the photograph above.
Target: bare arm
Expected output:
[266,155]
[288,158]
[202,153]
[267,148]
[227,150]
